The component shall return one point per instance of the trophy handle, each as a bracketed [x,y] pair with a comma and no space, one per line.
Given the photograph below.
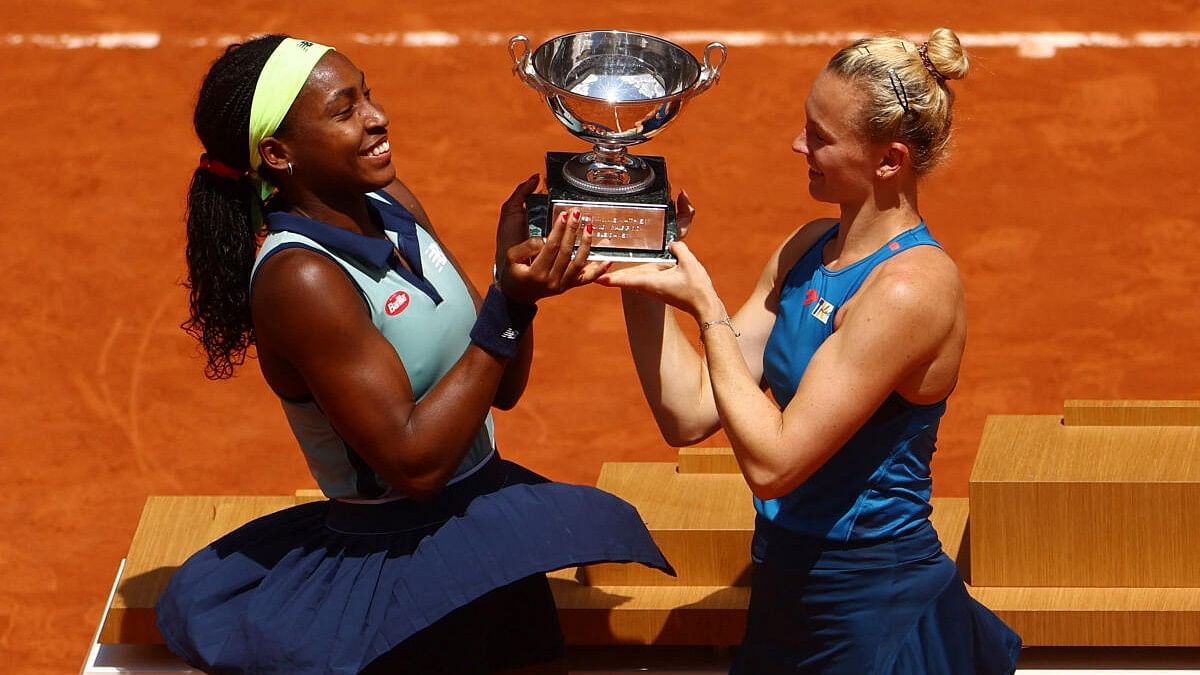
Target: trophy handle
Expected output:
[711,72]
[521,64]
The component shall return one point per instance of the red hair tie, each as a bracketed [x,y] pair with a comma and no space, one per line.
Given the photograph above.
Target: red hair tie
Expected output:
[218,168]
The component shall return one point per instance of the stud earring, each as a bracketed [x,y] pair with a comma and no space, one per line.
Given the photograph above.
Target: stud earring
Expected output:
[290,171]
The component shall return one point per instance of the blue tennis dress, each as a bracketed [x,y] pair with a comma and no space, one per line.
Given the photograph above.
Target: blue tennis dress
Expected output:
[849,575]
[330,586]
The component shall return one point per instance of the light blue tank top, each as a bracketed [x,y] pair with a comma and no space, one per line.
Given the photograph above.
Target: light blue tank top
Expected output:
[878,484]
[425,314]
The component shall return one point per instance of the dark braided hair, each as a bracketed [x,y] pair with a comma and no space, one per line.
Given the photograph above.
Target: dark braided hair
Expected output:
[222,237]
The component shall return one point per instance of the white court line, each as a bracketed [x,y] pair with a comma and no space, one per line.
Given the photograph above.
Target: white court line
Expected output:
[1035,44]
[144,40]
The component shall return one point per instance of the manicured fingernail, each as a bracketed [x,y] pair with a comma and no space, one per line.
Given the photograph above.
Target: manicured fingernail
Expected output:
[589,227]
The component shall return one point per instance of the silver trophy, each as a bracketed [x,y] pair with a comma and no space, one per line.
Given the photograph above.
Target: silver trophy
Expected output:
[613,89]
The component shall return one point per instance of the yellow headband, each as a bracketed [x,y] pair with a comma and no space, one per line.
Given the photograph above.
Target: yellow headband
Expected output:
[280,82]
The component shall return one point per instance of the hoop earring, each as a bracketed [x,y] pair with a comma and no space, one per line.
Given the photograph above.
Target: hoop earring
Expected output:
[289,169]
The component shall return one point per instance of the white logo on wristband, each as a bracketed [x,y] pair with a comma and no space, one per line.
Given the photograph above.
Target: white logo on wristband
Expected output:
[509,334]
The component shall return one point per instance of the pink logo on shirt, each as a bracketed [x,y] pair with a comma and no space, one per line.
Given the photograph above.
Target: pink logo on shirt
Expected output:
[398,302]
[810,297]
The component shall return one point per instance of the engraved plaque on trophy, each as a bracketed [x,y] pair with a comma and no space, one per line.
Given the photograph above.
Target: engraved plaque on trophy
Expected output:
[613,89]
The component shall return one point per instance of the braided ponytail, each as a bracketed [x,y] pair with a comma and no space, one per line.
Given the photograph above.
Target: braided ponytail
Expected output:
[222,235]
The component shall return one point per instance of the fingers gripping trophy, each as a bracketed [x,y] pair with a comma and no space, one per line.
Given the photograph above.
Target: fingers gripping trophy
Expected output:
[613,89]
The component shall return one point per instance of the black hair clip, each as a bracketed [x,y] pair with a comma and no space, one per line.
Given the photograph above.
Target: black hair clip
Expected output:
[898,87]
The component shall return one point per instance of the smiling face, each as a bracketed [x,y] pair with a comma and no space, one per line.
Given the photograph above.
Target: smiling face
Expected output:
[841,161]
[336,136]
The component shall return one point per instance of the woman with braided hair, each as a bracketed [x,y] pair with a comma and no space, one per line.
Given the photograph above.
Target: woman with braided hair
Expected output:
[857,328]
[429,555]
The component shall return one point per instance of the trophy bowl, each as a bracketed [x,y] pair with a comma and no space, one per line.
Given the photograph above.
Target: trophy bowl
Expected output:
[614,89]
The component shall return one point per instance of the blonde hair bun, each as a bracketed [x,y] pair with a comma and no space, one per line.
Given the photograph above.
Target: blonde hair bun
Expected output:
[946,54]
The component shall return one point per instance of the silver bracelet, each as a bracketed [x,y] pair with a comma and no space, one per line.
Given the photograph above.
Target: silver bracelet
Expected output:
[726,322]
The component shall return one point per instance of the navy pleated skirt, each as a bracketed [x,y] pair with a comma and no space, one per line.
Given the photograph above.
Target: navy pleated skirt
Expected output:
[882,608]
[327,587]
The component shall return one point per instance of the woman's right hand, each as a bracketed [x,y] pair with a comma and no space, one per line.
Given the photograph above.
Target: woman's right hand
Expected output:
[685,285]
[539,267]
[685,212]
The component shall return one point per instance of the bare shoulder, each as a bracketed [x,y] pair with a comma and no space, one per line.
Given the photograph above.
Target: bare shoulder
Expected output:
[924,265]
[922,283]
[300,278]
[797,243]
[766,291]
[802,239]
[297,271]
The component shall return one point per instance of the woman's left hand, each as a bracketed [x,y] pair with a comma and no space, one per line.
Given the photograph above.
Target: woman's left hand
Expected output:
[513,227]
[685,285]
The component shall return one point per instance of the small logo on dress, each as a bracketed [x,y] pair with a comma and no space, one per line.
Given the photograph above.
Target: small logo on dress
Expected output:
[810,297]
[823,310]
[895,246]
[509,334]
[398,302]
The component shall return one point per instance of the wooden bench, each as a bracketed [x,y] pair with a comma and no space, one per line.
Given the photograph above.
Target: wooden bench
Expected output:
[702,521]
[1085,528]
[1084,531]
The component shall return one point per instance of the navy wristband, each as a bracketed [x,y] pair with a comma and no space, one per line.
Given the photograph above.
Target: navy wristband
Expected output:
[501,323]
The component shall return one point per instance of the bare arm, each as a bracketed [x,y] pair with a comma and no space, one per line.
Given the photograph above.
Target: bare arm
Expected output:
[308,315]
[675,378]
[899,323]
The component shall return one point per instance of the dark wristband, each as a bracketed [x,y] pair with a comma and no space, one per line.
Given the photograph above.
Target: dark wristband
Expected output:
[501,323]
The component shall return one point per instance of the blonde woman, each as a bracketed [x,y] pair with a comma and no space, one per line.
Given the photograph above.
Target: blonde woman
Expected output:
[857,327]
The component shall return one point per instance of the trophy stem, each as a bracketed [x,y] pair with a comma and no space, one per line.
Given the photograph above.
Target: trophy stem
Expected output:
[608,169]
[611,154]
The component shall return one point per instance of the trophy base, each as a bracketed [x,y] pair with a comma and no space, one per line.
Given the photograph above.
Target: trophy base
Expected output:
[592,174]
[625,228]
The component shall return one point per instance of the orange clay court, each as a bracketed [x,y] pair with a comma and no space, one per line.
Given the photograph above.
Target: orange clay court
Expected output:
[1069,204]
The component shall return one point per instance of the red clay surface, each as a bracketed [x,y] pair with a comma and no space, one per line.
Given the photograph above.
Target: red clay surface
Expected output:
[1070,206]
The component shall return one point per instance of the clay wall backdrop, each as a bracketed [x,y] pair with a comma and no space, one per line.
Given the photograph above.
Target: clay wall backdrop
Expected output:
[1070,205]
